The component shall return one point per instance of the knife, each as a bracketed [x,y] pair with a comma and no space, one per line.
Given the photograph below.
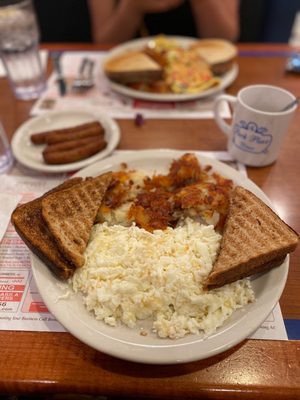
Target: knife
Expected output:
[59,75]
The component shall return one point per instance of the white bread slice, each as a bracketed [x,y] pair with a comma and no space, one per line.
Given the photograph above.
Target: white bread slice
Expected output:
[70,214]
[254,240]
[133,67]
[218,53]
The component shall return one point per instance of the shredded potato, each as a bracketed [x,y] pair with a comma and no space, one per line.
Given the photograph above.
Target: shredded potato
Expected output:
[162,201]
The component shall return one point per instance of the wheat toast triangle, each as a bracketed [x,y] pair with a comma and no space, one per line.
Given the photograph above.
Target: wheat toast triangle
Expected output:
[70,215]
[30,226]
[255,239]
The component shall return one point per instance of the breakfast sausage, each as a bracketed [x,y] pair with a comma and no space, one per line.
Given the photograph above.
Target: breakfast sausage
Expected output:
[88,132]
[74,154]
[60,135]
[71,144]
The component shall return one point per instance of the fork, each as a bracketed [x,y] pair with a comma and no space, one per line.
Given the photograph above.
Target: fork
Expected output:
[85,79]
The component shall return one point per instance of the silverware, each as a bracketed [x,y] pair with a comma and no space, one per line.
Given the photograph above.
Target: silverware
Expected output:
[85,79]
[291,104]
[60,80]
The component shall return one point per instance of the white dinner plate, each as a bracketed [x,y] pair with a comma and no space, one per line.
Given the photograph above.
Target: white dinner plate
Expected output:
[30,155]
[139,44]
[127,343]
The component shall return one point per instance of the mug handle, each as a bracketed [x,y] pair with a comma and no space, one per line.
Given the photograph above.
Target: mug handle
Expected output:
[226,128]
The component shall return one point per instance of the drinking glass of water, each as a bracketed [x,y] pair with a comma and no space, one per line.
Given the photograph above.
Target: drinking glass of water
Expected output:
[19,48]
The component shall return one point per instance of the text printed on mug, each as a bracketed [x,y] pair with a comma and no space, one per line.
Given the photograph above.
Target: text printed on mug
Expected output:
[249,137]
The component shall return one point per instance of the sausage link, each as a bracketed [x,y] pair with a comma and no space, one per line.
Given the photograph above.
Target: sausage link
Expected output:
[75,154]
[63,137]
[71,144]
[63,134]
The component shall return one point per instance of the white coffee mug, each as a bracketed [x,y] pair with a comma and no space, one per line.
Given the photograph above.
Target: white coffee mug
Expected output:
[258,124]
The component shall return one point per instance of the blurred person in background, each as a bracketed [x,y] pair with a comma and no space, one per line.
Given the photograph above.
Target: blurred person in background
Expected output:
[63,21]
[267,20]
[118,21]
[236,20]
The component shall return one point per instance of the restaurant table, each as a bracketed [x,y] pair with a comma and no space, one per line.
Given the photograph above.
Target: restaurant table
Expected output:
[43,362]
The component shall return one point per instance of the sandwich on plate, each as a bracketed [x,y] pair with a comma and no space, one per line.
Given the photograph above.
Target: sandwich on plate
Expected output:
[218,53]
[132,67]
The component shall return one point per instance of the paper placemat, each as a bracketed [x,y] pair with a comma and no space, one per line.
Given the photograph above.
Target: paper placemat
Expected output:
[114,104]
[21,306]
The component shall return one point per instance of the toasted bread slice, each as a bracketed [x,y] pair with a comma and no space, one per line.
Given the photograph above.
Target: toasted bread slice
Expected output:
[255,239]
[70,215]
[133,67]
[29,224]
[218,53]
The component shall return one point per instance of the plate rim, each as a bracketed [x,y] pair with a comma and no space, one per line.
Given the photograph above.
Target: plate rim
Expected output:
[227,79]
[181,354]
[24,128]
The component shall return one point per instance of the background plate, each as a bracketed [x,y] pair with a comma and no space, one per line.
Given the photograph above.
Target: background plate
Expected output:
[138,44]
[30,155]
[127,343]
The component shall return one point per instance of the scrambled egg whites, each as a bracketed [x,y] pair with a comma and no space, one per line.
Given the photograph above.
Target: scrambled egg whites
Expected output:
[131,274]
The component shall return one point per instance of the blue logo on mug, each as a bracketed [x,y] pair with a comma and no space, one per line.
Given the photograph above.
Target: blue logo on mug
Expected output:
[247,136]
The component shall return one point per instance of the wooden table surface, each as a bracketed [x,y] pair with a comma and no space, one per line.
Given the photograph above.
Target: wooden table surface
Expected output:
[43,363]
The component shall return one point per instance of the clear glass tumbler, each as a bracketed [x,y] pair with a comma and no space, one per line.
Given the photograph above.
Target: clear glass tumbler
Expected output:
[6,158]
[19,48]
